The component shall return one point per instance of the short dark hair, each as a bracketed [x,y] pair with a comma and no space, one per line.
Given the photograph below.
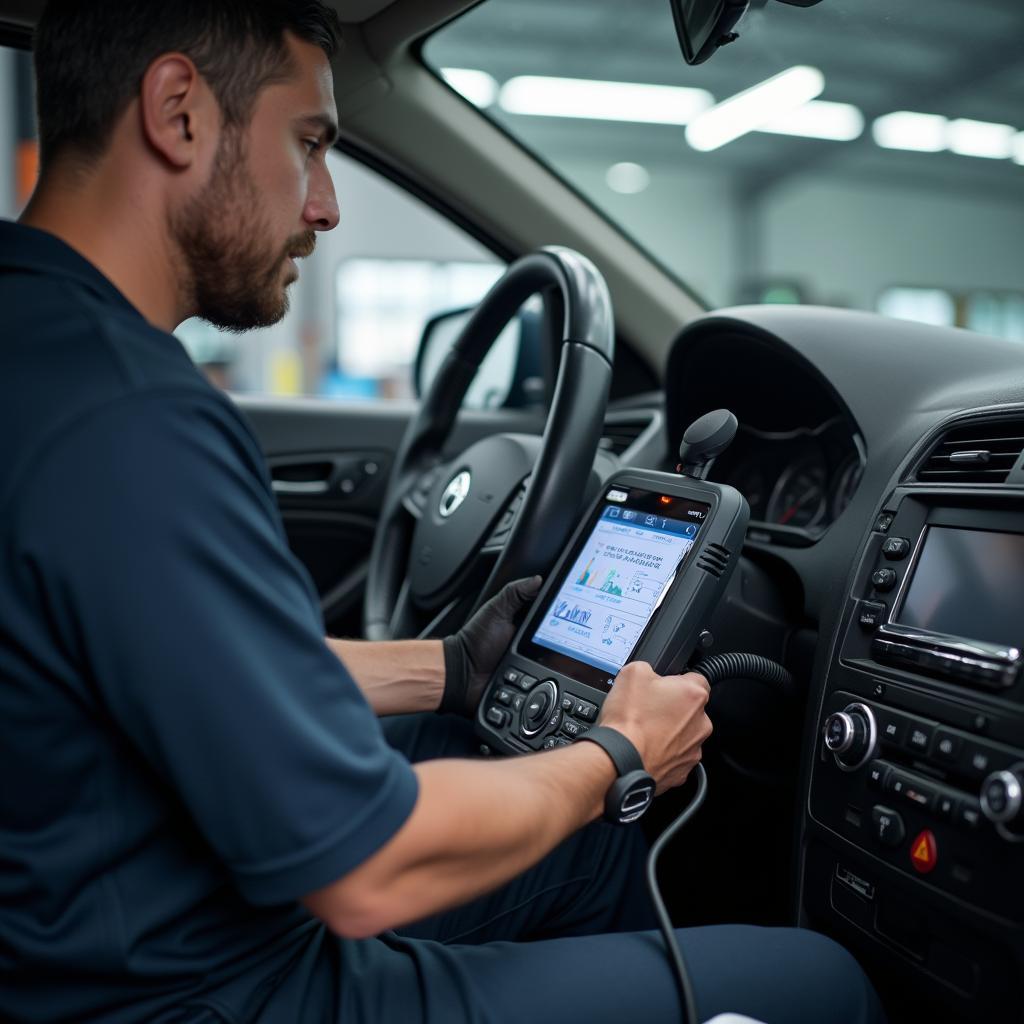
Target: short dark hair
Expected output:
[91,56]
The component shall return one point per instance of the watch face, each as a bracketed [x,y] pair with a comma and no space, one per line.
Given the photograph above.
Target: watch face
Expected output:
[630,796]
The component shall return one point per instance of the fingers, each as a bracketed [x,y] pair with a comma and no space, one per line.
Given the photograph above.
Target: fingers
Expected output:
[520,592]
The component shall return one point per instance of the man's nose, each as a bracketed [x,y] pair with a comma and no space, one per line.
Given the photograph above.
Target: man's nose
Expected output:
[321,211]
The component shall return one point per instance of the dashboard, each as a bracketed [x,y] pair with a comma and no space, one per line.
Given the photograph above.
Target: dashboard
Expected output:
[801,479]
[884,465]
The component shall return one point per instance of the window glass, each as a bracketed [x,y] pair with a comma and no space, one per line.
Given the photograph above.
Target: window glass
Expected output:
[361,300]
[891,152]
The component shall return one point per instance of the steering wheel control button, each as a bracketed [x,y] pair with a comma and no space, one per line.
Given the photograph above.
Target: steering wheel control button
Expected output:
[887,826]
[883,580]
[540,702]
[919,737]
[924,854]
[878,771]
[497,717]
[896,548]
[872,613]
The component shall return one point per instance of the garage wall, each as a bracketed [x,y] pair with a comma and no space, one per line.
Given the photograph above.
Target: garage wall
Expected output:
[844,242]
[914,238]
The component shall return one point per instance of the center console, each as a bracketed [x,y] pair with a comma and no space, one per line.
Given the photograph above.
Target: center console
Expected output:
[914,853]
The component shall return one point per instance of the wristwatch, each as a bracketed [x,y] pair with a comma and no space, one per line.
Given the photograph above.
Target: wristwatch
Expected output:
[633,791]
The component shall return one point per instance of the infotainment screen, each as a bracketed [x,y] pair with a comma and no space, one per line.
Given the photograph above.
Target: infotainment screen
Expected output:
[968,584]
[618,579]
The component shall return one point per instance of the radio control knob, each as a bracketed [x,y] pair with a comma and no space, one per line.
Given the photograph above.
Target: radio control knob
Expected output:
[1001,796]
[851,735]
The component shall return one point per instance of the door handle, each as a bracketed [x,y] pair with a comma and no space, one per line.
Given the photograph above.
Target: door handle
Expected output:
[313,476]
[299,486]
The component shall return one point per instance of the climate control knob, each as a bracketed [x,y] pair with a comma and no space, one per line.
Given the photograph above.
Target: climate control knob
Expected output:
[851,735]
[1002,796]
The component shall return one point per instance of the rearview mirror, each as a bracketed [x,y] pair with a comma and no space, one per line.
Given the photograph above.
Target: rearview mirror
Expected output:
[704,25]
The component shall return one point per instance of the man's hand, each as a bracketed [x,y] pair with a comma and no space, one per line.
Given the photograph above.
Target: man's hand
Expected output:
[664,718]
[472,654]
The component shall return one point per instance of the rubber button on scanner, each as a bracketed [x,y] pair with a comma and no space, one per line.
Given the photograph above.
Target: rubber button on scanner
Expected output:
[497,717]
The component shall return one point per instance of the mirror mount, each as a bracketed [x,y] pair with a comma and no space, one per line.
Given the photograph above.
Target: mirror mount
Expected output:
[704,26]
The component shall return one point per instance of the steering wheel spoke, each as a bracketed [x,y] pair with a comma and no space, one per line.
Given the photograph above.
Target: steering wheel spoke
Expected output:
[498,537]
[417,491]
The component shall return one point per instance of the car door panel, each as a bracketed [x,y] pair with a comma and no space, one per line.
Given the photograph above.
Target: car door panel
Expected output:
[329,463]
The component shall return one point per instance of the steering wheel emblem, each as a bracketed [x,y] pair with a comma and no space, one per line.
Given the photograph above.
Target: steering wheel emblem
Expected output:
[455,494]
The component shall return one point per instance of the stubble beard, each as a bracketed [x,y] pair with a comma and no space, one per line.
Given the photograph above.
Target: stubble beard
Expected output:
[228,275]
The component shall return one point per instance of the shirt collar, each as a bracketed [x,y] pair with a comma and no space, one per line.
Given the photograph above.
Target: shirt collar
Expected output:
[24,248]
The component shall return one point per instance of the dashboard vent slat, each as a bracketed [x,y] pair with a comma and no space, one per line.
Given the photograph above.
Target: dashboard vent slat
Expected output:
[980,453]
[621,431]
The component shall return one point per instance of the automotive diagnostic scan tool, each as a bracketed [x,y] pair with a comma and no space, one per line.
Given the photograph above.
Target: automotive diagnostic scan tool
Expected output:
[639,581]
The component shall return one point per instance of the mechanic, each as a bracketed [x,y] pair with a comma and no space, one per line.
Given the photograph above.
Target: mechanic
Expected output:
[202,815]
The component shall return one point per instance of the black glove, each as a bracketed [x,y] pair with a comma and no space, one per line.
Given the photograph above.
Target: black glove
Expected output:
[472,654]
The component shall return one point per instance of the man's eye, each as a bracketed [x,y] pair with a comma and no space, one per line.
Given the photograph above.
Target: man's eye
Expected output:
[312,145]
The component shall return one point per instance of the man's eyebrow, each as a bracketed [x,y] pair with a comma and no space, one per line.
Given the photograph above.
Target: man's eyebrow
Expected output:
[322,123]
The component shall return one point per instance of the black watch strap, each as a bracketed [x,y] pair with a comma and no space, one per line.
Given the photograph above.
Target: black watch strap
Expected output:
[618,747]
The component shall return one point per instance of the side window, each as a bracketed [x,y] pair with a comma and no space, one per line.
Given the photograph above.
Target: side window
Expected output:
[361,301]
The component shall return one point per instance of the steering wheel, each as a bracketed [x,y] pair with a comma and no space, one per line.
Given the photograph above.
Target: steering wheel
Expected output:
[453,531]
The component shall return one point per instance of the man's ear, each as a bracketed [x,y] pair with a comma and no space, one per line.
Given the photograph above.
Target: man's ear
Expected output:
[177,110]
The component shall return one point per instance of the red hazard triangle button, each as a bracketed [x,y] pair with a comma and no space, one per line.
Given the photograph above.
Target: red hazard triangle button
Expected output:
[924,854]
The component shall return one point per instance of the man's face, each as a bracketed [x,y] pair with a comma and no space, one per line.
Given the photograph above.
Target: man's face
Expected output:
[268,194]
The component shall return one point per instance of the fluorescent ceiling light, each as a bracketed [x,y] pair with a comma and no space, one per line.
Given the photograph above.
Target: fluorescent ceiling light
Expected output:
[605,101]
[480,88]
[981,138]
[819,119]
[1018,149]
[755,107]
[904,129]
[627,178]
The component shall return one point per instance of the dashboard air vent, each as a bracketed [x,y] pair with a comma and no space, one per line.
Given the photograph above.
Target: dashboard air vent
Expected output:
[621,430]
[981,453]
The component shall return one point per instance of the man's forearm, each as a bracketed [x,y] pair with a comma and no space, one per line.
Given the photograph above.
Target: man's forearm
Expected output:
[475,826]
[396,676]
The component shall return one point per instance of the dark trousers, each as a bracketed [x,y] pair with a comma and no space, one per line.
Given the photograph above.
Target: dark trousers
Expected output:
[569,940]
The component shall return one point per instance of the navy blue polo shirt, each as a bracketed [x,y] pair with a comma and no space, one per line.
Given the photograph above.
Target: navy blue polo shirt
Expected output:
[181,756]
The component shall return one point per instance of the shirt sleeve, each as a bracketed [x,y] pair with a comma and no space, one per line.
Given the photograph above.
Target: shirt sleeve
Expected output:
[157,549]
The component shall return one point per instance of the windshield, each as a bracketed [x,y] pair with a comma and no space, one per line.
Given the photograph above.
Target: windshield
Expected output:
[879,168]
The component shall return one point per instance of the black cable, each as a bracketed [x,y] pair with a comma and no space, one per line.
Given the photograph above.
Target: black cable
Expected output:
[717,667]
[675,954]
[714,668]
